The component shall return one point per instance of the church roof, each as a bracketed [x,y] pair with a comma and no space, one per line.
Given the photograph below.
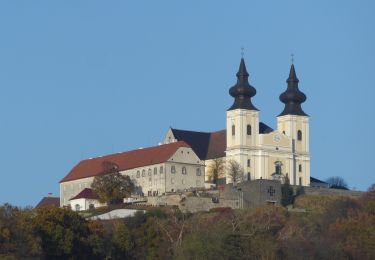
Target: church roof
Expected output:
[242,91]
[123,161]
[209,145]
[292,97]
[312,179]
[49,201]
[86,193]
[205,145]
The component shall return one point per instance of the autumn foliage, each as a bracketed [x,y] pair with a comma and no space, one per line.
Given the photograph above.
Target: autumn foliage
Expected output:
[331,228]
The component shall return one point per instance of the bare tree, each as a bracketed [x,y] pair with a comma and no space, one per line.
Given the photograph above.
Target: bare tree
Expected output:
[216,169]
[371,188]
[337,182]
[235,171]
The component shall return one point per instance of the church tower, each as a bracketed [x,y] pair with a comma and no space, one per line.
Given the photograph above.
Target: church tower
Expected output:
[294,123]
[242,122]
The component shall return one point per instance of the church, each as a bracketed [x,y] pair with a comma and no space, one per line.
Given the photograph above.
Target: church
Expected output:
[192,160]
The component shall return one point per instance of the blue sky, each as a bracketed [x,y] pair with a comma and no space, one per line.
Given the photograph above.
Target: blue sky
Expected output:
[80,79]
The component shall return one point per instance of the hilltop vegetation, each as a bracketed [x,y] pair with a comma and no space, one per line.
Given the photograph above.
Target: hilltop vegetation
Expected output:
[332,228]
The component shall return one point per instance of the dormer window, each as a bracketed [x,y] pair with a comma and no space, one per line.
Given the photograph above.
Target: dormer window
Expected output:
[248,129]
[233,130]
[299,135]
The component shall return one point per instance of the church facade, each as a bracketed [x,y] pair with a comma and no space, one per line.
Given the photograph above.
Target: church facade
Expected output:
[260,151]
[188,159]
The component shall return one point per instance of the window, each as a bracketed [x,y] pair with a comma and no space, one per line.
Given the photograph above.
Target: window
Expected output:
[284,132]
[278,168]
[184,170]
[248,129]
[233,130]
[143,173]
[248,176]
[299,135]
[300,168]
[248,163]
[138,174]
[198,172]
[91,207]
[149,172]
[300,181]
[155,171]
[173,169]
[77,207]
[161,169]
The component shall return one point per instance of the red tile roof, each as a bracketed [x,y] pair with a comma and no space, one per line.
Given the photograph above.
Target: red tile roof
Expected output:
[49,201]
[86,193]
[124,161]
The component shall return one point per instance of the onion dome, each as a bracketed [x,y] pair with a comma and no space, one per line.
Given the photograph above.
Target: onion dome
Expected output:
[292,97]
[242,91]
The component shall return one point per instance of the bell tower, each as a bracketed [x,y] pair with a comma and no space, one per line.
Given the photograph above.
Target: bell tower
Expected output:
[242,122]
[294,123]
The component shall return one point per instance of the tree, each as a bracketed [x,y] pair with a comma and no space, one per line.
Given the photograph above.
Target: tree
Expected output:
[286,193]
[337,182]
[371,188]
[235,171]
[62,233]
[112,187]
[216,169]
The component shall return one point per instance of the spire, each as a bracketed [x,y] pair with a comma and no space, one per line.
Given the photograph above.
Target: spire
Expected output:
[292,97]
[242,91]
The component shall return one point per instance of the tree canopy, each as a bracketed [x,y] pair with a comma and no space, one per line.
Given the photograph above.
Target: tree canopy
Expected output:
[337,182]
[112,187]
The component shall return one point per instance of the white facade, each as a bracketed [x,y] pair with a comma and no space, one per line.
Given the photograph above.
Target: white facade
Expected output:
[263,155]
[183,170]
[85,204]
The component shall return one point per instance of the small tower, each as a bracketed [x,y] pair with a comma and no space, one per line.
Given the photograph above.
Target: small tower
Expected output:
[294,123]
[242,121]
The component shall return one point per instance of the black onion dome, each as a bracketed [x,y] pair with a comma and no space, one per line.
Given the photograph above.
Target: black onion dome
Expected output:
[242,91]
[292,97]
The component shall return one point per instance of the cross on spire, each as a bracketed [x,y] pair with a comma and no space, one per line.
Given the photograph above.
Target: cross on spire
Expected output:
[292,58]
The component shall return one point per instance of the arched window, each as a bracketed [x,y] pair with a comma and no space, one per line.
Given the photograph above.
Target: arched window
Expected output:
[233,130]
[299,135]
[248,176]
[184,170]
[143,173]
[138,174]
[161,169]
[248,162]
[300,168]
[173,169]
[155,171]
[278,167]
[248,129]
[149,172]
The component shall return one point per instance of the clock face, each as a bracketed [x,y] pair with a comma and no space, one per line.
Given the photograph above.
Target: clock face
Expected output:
[276,138]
